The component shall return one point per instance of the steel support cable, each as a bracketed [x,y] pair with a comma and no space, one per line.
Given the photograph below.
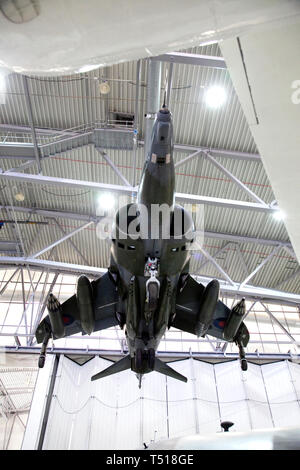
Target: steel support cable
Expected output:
[97,399]
[127,405]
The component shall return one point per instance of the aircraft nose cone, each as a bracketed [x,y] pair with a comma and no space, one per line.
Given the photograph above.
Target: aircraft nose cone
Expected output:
[164,115]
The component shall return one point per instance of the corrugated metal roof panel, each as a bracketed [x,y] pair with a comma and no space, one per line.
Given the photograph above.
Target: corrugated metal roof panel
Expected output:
[75,101]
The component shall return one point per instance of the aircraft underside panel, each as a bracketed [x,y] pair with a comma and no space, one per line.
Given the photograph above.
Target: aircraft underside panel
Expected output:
[105,298]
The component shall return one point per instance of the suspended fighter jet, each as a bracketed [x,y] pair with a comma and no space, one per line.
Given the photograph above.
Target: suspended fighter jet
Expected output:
[148,288]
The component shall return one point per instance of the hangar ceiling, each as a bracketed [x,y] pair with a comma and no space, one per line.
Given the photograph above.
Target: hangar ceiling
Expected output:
[64,143]
[270,100]
[47,154]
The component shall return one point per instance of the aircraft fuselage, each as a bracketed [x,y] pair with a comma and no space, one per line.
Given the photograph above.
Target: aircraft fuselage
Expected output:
[150,250]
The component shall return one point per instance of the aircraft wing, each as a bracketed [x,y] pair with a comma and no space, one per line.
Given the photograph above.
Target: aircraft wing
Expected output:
[105,299]
[188,303]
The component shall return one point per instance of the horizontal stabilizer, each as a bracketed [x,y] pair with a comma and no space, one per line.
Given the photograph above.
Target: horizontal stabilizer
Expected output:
[116,367]
[163,368]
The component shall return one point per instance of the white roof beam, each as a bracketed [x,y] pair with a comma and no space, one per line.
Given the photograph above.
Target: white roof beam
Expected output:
[61,240]
[192,59]
[252,292]
[114,167]
[188,158]
[71,243]
[212,260]
[258,268]
[24,150]
[52,265]
[234,204]
[218,252]
[234,179]
[86,218]
[279,324]
[31,123]
[39,130]
[129,190]
[51,213]
[246,239]
[292,276]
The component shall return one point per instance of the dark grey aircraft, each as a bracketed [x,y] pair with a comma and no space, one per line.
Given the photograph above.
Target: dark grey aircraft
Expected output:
[147,288]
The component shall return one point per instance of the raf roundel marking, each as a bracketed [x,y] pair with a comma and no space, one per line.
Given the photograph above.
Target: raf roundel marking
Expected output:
[220,323]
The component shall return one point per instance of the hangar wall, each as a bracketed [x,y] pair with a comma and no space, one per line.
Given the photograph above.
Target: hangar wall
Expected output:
[113,413]
[18,374]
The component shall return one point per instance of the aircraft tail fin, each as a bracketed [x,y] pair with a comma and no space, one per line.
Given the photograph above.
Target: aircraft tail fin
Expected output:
[163,368]
[125,363]
[116,367]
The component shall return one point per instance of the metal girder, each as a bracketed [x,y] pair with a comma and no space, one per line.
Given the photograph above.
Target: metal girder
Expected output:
[169,84]
[9,280]
[10,410]
[186,159]
[39,130]
[8,246]
[279,324]
[136,118]
[232,203]
[15,227]
[61,240]
[192,59]
[27,303]
[290,251]
[137,94]
[258,268]
[72,140]
[18,151]
[42,309]
[31,123]
[218,152]
[52,265]
[246,239]
[167,339]
[289,278]
[251,292]
[162,354]
[52,213]
[152,100]
[219,251]
[129,190]
[242,261]
[23,166]
[114,167]
[30,300]
[216,264]
[211,343]
[69,183]
[71,243]
[25,151]
[234,179]
[86,218]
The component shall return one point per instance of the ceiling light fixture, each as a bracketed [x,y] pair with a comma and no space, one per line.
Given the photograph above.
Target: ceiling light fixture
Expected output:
[3,73]
[215,96]
[106,201]
[104,88]
[279,215]
[19,197]
[208,33]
